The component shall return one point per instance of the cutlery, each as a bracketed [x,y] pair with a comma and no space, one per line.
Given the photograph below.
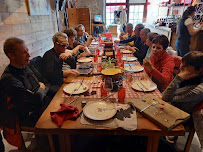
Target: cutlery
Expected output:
[130,67]
[74,100]
[77,88]
[153,103]
[140,87]
[144,85]
[109,108]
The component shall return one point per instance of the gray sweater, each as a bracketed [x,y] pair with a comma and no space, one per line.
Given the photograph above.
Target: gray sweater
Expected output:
[186,98]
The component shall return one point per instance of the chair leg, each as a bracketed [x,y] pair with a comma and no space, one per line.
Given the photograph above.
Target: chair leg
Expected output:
[189,140]
[23,147]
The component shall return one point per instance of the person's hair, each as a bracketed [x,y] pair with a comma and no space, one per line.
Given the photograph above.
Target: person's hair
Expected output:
[57,35]
[130,25]
[151,36]
[162,40]
[146,30]
[10,44]
[188,11]
[70,32]
[140,27]
[194,58]
[78,26]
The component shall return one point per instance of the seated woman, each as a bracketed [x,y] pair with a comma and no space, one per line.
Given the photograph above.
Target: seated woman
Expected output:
[161,64]
[150,37]
[74,45]
[186,90]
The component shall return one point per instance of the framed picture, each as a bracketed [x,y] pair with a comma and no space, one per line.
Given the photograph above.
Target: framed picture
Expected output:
[39,7]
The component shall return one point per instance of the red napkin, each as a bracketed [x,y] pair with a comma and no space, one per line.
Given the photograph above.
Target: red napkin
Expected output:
[64,113]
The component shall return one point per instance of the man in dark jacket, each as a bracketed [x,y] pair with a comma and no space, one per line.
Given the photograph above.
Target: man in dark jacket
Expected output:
[54,58]
[25,93]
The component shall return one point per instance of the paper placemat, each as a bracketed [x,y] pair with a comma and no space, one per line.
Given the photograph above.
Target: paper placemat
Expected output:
[125,118]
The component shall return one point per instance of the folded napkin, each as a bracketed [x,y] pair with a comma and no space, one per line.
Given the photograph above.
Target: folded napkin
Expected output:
[64,113]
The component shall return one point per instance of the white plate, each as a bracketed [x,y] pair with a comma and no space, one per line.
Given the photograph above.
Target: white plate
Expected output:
[84,60]
[69,88]
[144,85]
[92,110]
[126,52]
[134,68]
[94,43]
[129,58]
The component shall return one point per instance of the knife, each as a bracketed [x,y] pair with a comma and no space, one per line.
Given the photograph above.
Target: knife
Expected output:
[144,85]
[140,87]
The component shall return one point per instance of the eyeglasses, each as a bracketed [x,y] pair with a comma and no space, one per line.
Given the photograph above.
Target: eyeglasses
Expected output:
[64,45]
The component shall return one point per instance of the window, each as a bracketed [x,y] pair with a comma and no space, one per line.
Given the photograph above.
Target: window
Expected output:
[111,6]
[136,13]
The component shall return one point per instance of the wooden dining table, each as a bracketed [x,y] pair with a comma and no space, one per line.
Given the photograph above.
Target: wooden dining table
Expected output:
[145,127]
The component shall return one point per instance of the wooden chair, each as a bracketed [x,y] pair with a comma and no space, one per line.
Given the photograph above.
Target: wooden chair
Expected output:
[32,129]
[191,131]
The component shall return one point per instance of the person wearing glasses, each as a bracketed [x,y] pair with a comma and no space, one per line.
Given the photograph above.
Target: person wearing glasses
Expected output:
[54,58]
[82,36]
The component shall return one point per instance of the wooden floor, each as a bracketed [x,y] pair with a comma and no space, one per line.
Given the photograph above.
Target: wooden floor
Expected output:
[40,144]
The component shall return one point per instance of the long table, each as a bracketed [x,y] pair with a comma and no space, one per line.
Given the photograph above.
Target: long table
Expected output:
[45,125]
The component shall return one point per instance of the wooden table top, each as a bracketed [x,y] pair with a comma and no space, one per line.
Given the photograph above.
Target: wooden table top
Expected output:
[45,125]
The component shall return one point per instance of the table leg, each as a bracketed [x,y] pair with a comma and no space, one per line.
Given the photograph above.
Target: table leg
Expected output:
[51,143]
[153,143]
[65,143]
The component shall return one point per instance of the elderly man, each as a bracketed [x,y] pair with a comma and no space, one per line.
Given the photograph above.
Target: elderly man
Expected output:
[82,36]
[140,50]
[24,92]
[128,35]
[135,38]
[54,58]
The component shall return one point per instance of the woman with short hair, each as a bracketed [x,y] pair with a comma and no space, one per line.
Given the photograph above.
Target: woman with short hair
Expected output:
[161,64]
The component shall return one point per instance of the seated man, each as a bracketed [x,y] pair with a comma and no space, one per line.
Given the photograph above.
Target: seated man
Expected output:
[161,64]
[25,93]
[136,38]
[128,35]
[82,36]
[140,50]
[53,61]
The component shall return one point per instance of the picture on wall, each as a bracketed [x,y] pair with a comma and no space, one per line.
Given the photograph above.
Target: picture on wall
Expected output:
[39,7]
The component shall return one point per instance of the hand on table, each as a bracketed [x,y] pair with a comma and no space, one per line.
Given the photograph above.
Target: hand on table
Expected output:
[148,65]
[64,56]
[71,72]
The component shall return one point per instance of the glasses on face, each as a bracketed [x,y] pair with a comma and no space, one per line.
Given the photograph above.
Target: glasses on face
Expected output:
[61,44]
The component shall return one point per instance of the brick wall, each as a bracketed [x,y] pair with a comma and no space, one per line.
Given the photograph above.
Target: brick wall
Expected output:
[36,31]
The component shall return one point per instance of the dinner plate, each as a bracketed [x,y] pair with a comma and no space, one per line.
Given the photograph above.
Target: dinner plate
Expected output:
[84,60]
[94,43]
[99,110]
[129,58]
[134,68]
[75,88]
[144,85]
[126,52]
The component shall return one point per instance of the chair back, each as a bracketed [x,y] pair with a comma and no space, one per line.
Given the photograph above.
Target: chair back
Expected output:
[37,63]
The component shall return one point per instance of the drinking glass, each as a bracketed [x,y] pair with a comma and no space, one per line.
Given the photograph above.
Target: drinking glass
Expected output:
[108,85]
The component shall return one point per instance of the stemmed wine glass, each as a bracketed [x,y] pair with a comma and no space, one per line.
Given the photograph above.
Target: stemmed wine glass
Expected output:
[108,85]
